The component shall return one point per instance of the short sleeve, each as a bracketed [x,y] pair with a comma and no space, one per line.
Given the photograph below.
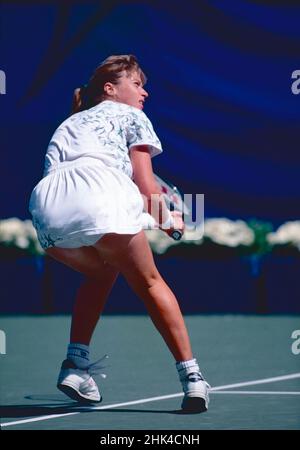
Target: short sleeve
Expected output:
[140,132]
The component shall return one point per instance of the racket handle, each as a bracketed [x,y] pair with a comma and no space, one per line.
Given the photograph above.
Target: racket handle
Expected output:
[149,223]
[176,235]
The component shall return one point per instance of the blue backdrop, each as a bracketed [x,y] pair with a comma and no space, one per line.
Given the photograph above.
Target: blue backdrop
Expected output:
[220,78]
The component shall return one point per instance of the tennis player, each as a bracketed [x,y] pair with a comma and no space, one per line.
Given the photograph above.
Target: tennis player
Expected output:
[87,211]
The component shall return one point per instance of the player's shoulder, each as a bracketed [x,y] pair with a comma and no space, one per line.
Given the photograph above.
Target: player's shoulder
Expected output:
[110,106]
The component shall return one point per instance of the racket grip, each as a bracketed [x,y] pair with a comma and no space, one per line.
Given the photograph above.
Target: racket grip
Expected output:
[176,235]
[149,223]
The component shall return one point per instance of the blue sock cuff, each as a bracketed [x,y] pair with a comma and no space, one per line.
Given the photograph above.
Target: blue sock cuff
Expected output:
[77,350]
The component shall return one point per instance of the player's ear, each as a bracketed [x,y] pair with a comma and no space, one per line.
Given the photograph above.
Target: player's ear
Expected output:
[109,89]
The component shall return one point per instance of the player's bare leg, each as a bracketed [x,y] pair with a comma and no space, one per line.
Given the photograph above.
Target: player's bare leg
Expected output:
[74,378]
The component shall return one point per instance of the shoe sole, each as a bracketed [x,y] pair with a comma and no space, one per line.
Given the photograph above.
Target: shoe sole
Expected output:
[75,395]
[194,405]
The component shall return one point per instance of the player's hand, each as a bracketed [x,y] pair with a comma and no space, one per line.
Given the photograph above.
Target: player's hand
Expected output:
[178,223]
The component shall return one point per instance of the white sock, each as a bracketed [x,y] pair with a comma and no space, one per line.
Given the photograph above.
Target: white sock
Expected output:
[79,354]
[185,367]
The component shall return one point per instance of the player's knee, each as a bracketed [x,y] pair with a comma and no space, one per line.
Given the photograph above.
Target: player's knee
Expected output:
[141,280]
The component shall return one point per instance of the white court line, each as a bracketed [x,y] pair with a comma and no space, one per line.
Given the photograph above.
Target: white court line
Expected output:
[259,392]
[261,381]
[152,399]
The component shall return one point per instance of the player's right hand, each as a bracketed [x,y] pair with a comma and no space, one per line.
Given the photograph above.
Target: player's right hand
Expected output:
[178,224]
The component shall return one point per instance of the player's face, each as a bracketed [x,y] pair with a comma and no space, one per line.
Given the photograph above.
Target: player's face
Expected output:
[130,91]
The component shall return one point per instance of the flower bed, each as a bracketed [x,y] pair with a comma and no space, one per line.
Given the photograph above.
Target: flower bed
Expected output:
[222,237]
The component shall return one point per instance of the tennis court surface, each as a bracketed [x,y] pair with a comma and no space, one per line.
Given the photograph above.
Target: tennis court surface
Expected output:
[249,361]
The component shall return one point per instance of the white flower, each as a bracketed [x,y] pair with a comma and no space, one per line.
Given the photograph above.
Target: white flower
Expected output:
[227,232]
[18,233]
[12,232]
[221,231]
[288,233]
[21,242]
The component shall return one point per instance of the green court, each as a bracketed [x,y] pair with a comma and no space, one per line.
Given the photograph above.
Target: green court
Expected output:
[249,361]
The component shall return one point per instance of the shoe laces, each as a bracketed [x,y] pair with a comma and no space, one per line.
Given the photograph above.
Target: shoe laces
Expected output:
[96,367]
[197,376]
[194,377]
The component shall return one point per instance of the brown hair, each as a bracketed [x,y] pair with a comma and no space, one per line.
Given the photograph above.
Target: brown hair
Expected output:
[110,70]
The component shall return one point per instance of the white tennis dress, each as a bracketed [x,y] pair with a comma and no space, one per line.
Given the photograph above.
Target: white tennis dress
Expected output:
[87,188]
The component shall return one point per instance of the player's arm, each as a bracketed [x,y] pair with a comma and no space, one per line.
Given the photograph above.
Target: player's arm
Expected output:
[144,179]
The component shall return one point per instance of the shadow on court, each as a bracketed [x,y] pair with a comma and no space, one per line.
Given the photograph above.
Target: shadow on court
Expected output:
[34,411]
[29,410]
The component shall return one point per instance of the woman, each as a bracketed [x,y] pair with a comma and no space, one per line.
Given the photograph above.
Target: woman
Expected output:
[87,211]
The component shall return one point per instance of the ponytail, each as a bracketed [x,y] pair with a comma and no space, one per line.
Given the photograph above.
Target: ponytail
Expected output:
[78,100]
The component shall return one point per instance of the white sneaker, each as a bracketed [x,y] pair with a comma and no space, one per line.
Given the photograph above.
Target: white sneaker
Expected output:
[78,384]
[195,390]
